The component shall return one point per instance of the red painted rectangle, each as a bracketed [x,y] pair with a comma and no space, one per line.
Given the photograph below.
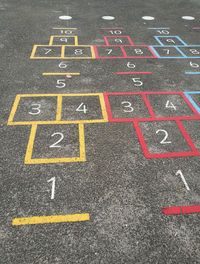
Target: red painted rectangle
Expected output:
[118,73]
[181,209]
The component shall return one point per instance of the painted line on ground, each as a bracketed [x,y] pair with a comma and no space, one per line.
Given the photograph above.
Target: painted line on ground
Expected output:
[133,73]
[50,219]
[181,210]
[192,72]
[61,73]
[114,28]
[160,28]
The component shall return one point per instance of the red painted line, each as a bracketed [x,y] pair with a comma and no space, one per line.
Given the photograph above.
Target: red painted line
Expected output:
[171,210]
[113,28]
[108,108]
[148,105]
[133,73]
[96,52]
[141,139]
[181,209]
[127,37]
[196,28]
[106,41]
[155,56]
[190,209]
[123,51]
[187,136]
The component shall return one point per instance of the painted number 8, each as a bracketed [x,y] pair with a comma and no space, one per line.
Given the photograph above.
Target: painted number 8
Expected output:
[78,51]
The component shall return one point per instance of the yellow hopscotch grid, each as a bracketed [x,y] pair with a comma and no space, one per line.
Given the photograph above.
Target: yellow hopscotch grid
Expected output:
[62,54]
[63,36]
[28,157]
[50,219]
[58,112]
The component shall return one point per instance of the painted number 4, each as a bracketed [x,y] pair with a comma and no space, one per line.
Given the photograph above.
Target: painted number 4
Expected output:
[170,105]
[82,108]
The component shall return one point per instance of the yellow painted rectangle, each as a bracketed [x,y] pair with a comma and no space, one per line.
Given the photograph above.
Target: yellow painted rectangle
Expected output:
[58,116]
[61,73]
[28,157]
[59,36]
[50,219]
[59,108]
[35,48]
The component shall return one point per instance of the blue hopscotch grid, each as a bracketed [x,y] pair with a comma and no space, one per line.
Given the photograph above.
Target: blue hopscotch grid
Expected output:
[175,46]
[187,94]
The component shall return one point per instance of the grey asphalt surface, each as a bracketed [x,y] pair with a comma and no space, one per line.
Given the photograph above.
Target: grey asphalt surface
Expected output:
[121,189]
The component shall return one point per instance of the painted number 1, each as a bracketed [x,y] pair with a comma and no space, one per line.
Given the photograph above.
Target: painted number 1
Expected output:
[53,181]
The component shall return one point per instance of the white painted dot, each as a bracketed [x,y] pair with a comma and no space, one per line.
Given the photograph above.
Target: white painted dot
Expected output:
[108,17]
[65,17]
[188,17]
[148,18]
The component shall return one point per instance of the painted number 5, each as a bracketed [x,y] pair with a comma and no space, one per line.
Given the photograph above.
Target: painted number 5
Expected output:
[164,140]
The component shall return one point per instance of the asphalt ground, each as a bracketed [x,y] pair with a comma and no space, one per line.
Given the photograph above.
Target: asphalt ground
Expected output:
[99,146]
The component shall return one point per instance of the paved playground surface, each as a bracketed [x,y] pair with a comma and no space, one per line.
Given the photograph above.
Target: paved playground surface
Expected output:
[100,121]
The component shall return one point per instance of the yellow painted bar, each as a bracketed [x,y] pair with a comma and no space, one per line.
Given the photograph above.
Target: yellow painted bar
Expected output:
[82,142]
[60,36]
[50,219]
[14,109]
[29,148]
[61,73]
[59,108]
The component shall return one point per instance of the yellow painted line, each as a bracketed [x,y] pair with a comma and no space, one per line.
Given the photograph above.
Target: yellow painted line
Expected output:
[64,28]
[82,142]
[62,52]
[103,108]
[33,52]
[41,95]
[51,40]
[29,148]
[13,111]
[61,73]
[54,122]
[59,108]
[28,157]
[50,219]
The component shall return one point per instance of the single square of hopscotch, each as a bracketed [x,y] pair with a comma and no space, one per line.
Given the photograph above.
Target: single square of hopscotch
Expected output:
[63,40]
[55,144]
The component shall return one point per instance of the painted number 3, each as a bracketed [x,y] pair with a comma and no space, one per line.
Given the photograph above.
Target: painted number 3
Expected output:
[35,109]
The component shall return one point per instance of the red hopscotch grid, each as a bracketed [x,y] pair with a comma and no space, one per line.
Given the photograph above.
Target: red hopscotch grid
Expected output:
[153,117]
[127,37]
[191,209]
[149,155]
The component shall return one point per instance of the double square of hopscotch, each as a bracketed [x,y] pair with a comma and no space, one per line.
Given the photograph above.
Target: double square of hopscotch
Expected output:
[67,47]
[173,47]
[108,108]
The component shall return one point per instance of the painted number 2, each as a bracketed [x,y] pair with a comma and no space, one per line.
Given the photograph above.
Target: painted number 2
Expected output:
[164,140]
[56,144]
